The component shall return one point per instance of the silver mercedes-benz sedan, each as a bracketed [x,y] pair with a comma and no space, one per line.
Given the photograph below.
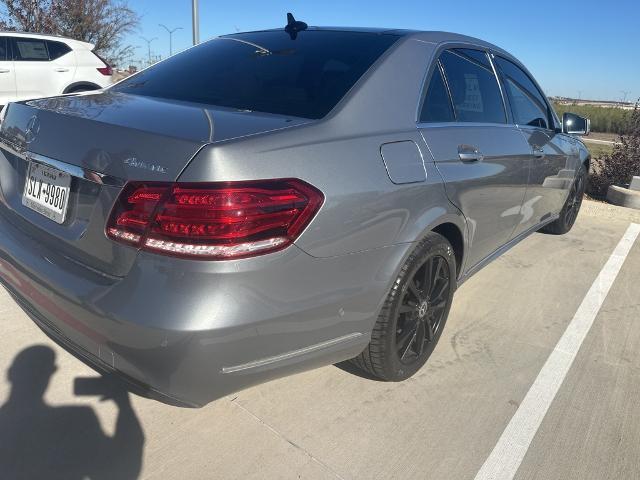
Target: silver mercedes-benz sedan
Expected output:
[270,202]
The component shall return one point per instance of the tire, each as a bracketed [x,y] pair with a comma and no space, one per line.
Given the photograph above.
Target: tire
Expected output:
[571,208]
[82,88]
[415,311]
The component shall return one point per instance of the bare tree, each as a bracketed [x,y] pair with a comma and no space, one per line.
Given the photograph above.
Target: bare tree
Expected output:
[27,15]
[104,23]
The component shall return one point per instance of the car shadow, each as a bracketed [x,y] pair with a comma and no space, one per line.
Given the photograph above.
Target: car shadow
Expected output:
[38,440]
[349,367]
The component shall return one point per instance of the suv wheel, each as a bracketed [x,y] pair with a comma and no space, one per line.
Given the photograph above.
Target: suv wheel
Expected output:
[82,88]
[414,313]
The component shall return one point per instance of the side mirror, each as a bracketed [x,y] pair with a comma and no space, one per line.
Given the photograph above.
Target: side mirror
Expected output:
[573,124]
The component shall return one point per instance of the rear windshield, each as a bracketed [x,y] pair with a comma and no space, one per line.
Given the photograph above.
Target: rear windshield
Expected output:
[265,71]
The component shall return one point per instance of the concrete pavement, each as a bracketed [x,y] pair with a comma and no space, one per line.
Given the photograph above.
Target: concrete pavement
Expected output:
[441,424]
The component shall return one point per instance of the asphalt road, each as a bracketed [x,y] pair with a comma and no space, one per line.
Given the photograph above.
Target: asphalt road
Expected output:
[329,423]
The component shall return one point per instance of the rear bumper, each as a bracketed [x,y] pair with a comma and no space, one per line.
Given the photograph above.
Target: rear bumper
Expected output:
[187,332]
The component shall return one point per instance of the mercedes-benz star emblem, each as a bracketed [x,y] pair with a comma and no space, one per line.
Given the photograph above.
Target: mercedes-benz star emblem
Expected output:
[33,128]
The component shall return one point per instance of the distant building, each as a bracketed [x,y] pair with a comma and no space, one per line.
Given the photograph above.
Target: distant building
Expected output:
[594,103]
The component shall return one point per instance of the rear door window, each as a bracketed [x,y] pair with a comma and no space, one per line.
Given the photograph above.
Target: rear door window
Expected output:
[57,49]
[527,102]
[437,103]
[30,49]
[474,87]
[266,71]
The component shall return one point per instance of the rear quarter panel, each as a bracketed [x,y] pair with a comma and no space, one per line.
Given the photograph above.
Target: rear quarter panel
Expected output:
[86,71]
[363,209]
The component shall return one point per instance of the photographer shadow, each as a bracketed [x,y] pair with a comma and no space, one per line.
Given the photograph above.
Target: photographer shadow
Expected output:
[38,440]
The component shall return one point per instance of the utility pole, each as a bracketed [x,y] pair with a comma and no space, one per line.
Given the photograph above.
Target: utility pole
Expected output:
[170,32]
[195,17]
[625,93]
[149,40]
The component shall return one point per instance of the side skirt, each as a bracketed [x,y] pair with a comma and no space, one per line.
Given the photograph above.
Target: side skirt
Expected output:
[503,249]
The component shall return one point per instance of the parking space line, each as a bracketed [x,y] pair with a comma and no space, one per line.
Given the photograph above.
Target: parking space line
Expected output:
[507,455]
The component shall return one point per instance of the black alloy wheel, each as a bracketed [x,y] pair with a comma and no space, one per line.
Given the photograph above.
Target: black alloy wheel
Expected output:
[422,307]
[414,313]
[574,201]
[572,205]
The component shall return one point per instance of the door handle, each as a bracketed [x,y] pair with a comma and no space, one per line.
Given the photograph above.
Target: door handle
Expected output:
[61,69]
[469,153]
[4,70]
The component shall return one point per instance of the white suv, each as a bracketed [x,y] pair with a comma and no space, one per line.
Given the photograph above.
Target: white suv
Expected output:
[34,65]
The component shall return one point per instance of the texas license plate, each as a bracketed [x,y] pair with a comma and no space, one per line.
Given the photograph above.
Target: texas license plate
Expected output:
[46,190]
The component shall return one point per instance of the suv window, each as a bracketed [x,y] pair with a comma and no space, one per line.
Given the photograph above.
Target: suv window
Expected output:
[266,71]
[437,104]
[30,49]
[474,88]
[57,49]
[527,102]
[3,49]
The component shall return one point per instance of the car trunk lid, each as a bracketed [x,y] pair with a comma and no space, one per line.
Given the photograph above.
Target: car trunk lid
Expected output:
[104,140]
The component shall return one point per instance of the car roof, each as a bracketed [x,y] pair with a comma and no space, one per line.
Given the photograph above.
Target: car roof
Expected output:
[77,44]
[394,31]
[422,35]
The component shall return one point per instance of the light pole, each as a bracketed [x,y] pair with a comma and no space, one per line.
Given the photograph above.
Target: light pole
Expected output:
[170,32]
[149,40]
[195,21]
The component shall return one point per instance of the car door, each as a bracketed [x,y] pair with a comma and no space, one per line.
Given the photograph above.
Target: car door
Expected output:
[7,74]
[481,157]
[36,74]
[552,165]
[62,65]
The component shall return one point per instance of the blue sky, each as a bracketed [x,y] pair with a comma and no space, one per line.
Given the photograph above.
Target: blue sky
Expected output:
[589,48]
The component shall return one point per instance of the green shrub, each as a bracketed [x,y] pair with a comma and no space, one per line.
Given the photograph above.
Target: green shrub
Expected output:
[619,166]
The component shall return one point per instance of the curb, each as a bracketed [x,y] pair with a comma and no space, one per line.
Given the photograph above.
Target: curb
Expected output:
[592,208]
[623,197]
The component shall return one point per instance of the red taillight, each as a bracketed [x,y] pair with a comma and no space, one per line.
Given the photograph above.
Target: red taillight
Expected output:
[215,221]
[105,70]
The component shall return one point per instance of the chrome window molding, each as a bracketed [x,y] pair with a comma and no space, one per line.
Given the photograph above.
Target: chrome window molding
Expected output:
[464,124]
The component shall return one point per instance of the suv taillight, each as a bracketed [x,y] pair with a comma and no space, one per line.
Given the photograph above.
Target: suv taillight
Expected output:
[213,220]
[106,70]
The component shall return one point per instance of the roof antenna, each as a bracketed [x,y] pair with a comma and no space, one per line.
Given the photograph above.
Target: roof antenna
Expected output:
[294,26]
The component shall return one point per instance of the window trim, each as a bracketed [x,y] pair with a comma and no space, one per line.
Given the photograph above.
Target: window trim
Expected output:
[505,103]
[440,70]
[443,75]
